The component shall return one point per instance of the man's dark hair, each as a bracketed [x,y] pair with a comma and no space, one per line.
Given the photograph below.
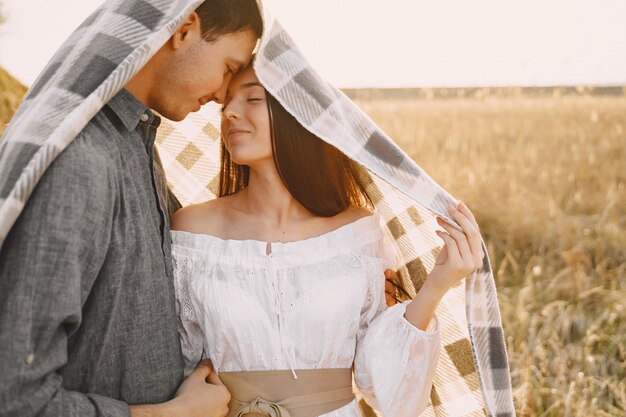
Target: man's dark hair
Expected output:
[220,17]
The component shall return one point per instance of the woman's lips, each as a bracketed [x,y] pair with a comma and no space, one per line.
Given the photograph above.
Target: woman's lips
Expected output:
[233,132]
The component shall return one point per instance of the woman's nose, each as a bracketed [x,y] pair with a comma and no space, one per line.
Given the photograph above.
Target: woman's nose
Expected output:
[230,111]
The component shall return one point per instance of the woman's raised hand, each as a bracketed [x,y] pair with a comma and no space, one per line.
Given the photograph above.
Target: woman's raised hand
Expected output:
[462,252]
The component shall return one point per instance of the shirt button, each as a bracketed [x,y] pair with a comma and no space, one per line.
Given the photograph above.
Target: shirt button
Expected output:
[30,359]
[144,117]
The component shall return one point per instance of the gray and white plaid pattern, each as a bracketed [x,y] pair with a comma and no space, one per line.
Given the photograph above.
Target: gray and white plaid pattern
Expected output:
[116,41]
[408,199]
[97,60]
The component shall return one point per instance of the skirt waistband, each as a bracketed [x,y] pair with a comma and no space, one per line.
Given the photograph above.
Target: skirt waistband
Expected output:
[278,394]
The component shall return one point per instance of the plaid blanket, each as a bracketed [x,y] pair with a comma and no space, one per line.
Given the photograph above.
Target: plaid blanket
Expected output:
[108,49]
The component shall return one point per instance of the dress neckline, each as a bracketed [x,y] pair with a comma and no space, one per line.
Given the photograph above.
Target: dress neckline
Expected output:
[322,242]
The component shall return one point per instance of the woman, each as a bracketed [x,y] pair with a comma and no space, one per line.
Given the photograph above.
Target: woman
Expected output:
[284,271]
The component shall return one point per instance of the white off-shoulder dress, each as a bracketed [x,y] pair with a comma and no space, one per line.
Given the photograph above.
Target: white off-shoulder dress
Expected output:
[310,304]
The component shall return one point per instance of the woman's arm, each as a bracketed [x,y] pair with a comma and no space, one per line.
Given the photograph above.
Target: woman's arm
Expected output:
[461,255]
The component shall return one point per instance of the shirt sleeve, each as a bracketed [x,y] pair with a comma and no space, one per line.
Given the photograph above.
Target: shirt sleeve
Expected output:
[189,329]
[395,361]
[48,264]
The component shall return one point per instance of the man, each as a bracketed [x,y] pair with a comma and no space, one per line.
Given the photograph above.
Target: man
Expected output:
[88,324]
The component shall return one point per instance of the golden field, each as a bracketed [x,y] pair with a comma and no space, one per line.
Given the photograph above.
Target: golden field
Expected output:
[545,174]
[11,93]
[546,178]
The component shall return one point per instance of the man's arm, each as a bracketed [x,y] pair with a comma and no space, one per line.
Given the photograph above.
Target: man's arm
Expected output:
[201,394]
[47,266]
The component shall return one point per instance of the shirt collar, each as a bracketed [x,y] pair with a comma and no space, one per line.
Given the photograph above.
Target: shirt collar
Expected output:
[129,110]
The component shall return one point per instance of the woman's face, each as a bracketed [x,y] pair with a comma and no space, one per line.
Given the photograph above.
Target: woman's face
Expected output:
[245,121]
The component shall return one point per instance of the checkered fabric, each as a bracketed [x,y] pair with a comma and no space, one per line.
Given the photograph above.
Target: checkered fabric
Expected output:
[115,42]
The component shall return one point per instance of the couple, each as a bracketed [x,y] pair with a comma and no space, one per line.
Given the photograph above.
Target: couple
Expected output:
[283,272]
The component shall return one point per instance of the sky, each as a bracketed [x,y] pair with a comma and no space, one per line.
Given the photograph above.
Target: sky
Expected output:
[396,43]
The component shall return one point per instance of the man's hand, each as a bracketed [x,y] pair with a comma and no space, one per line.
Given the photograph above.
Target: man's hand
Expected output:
[202,394]
[391,289]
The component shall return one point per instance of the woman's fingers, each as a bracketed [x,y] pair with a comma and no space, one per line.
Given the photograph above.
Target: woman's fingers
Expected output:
[463,248]
[468,213]
[471,232]
[452,249]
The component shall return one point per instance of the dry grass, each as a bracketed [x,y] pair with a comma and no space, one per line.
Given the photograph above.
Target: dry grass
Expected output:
[546,177]
[11,93]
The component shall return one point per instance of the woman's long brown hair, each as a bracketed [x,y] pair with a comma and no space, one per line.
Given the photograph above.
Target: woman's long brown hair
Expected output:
[317,175]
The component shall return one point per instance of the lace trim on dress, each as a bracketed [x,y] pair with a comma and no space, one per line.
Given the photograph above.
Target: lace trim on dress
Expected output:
[361,232]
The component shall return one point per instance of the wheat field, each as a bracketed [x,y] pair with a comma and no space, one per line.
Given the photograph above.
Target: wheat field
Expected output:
[546,178]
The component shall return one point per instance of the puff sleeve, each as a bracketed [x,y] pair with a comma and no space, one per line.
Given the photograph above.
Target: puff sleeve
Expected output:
[395,361]
[189,327]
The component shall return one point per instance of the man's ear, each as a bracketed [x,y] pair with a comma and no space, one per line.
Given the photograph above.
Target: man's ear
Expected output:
[188,30]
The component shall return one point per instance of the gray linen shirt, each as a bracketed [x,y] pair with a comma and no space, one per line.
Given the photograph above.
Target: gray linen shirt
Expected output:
[88,322]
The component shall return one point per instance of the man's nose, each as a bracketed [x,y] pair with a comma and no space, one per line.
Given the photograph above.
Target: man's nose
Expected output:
[220,94]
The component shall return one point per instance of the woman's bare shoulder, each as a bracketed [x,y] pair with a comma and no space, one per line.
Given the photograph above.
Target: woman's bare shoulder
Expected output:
[351,215]
[206,218]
